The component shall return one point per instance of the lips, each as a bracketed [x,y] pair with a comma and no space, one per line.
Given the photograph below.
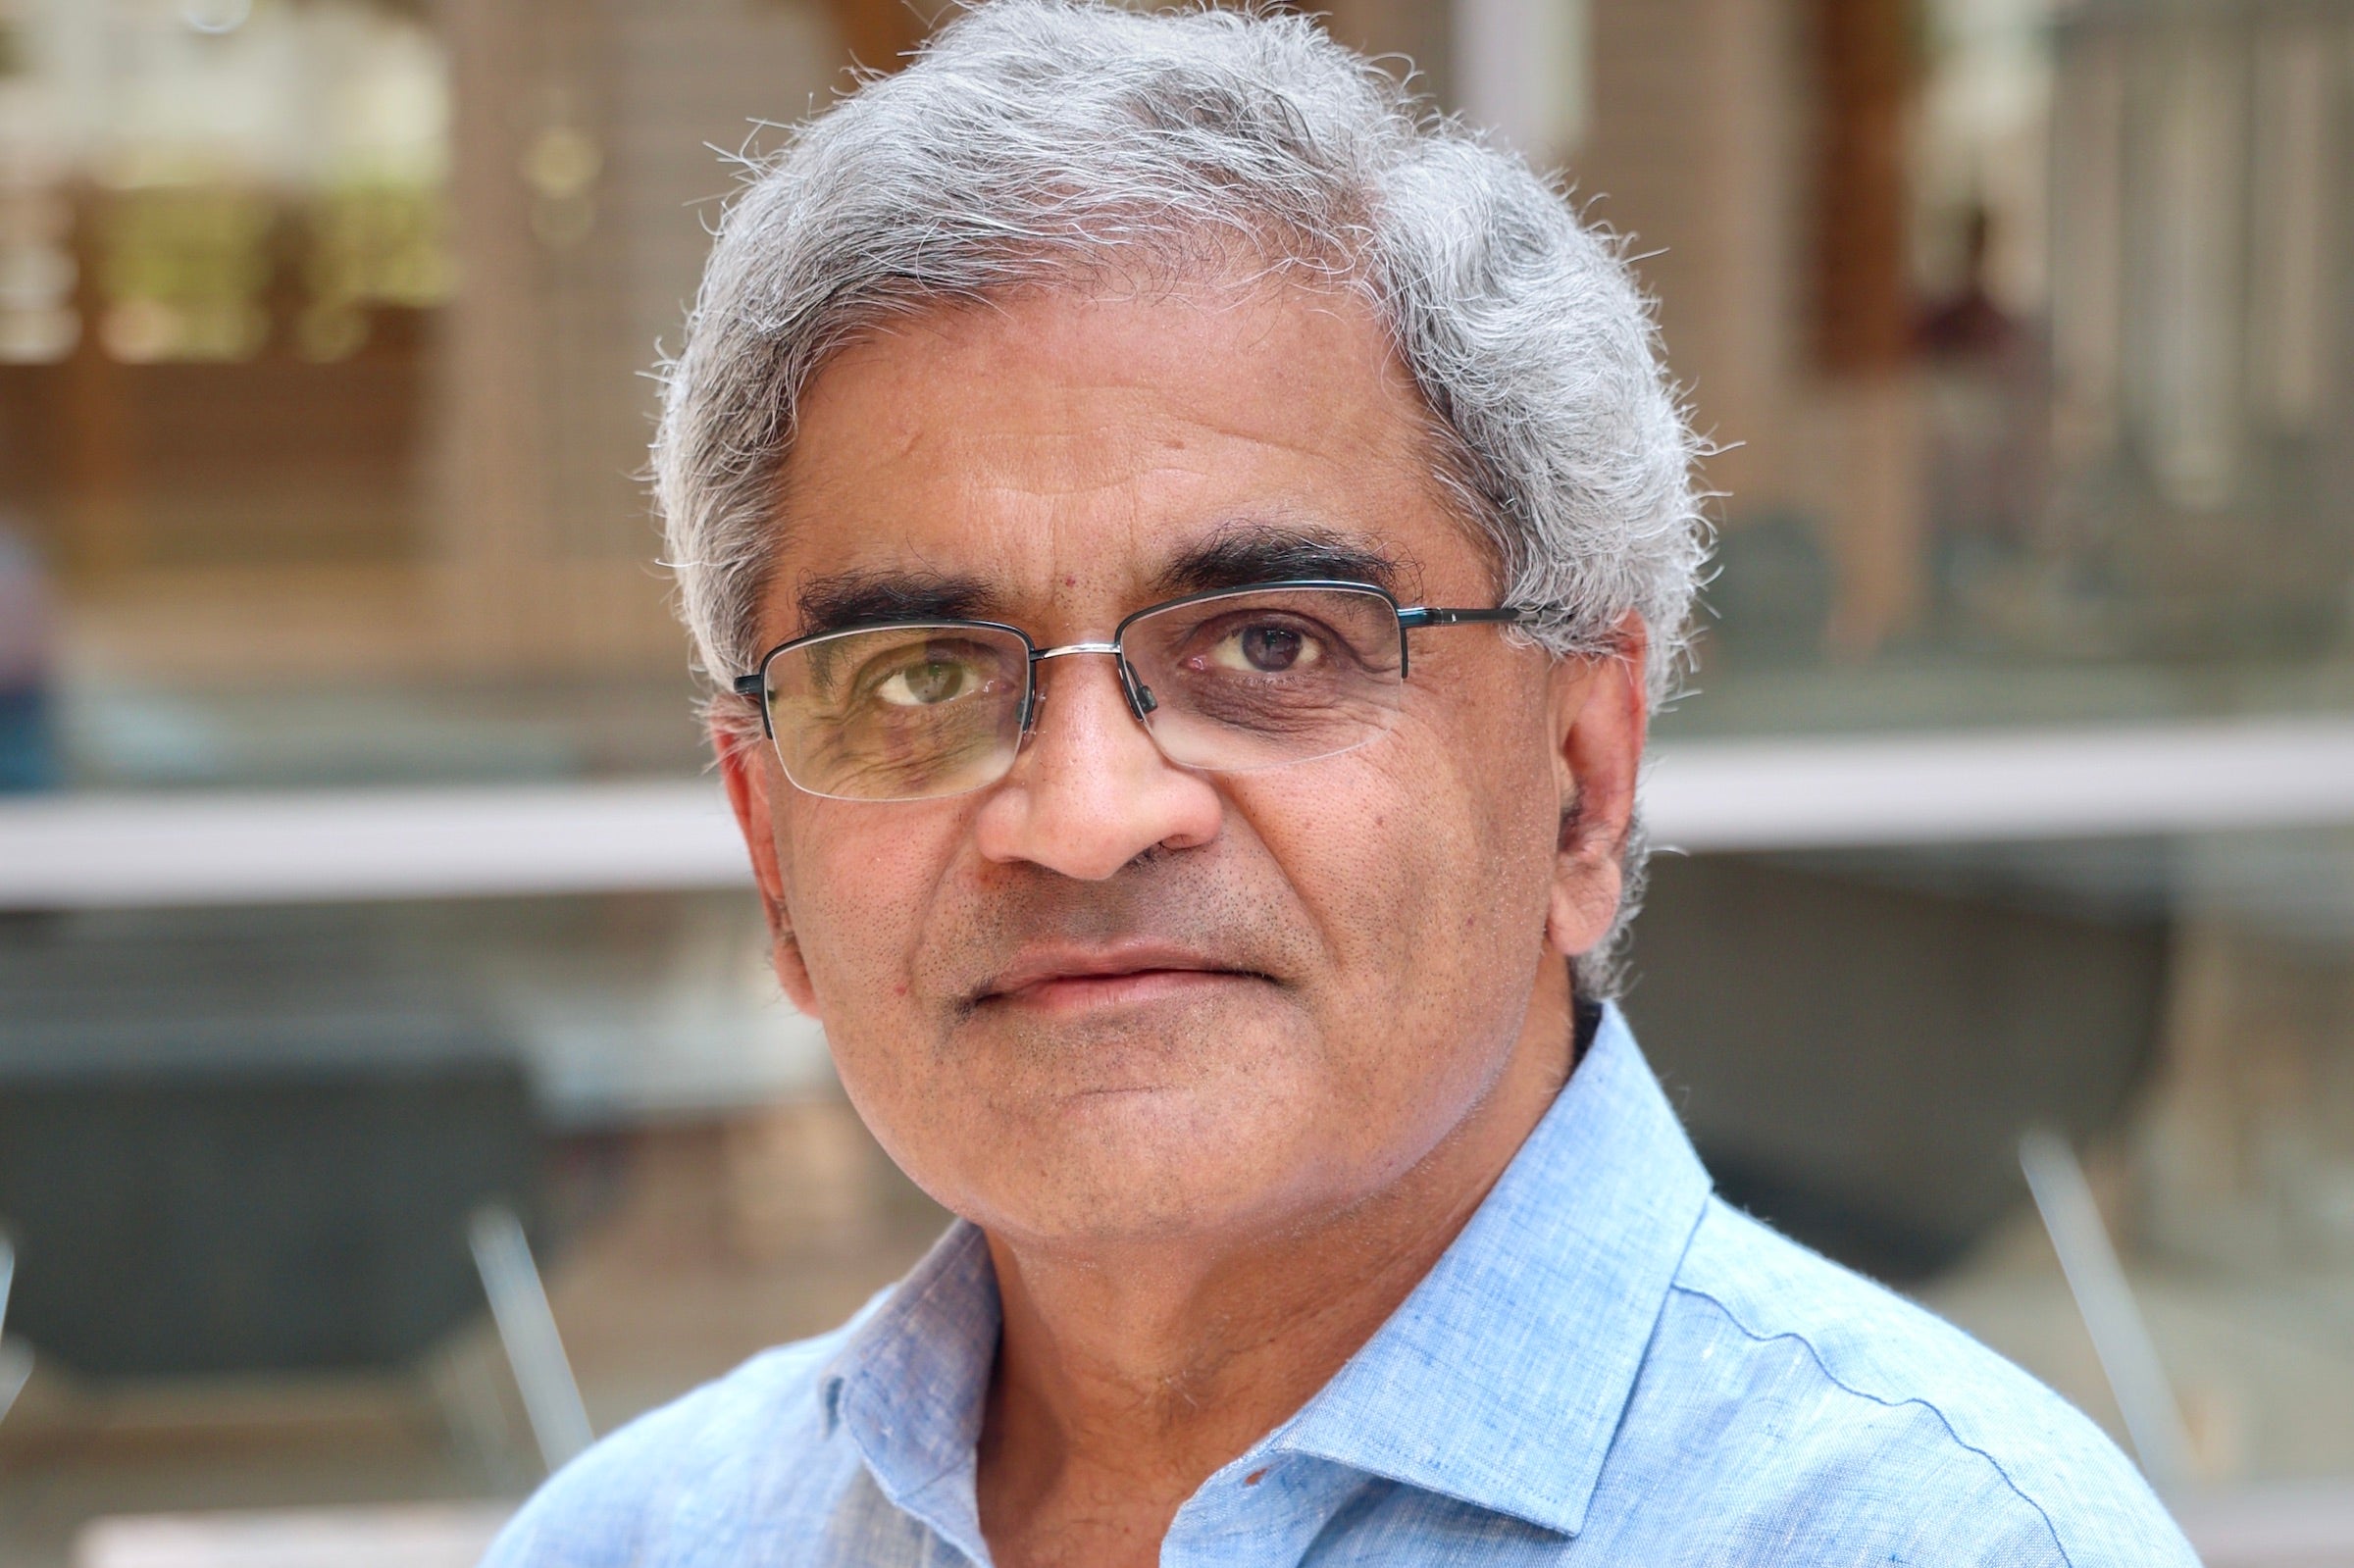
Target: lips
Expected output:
[1123,972]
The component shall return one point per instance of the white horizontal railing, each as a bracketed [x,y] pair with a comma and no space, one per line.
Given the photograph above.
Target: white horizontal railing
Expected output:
[96,850]
[101,850]
[1989,785]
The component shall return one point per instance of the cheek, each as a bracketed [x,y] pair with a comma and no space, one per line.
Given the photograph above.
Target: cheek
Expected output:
[859,881]
[1425,859]
[859,888]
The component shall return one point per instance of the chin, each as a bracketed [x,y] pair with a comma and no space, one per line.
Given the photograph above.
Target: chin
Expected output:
[1145,1165]
[1143,1124]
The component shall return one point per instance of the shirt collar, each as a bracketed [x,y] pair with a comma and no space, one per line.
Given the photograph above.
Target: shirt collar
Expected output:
[912,1383]
[1500,1380]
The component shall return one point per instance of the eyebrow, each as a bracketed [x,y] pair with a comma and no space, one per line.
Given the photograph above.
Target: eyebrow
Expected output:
[847,599]
[1263,553]
[1235,557]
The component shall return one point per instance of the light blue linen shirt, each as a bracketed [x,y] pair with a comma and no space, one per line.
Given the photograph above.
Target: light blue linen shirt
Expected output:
[1609,1365]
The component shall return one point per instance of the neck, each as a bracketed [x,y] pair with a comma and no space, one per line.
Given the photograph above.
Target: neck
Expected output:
[1123,1382]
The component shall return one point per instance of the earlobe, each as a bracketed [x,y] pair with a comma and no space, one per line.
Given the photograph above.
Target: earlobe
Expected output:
[1585,904]
[793,972]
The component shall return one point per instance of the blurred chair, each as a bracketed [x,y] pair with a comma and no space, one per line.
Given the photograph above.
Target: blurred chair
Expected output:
[27,735]
[2308,1525]
[1857,1041]
[250,1153]
[15,1361]
[527,1332]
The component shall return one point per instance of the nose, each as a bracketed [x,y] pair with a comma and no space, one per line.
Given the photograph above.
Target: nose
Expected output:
[1090,791]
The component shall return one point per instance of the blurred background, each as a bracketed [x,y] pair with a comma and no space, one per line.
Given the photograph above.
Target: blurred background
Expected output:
[358,870]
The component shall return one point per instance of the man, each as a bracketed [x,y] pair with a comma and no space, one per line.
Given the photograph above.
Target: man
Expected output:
[1188,550]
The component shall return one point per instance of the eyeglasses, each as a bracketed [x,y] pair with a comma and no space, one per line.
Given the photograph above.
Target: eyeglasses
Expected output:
[1227,681]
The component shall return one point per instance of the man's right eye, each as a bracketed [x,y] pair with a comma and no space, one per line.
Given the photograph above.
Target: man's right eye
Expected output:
[925,685]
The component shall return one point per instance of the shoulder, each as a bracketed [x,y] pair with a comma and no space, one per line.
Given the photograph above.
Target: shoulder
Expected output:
[1859,1411]
[679,1481]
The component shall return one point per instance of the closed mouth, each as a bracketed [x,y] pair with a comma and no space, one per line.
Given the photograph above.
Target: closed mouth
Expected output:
[1083,979]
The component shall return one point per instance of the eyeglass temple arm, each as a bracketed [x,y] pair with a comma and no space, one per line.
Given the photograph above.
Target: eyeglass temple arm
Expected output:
[754,687]
[1431,615]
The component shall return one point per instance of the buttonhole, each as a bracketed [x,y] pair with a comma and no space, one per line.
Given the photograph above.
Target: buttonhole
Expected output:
[1254,1478]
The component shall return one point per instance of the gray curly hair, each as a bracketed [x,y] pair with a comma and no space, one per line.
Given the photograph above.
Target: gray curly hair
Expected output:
[1070,142]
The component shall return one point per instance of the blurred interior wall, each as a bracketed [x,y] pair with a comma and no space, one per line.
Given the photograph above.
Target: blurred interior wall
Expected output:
[1745,149]
[592,139]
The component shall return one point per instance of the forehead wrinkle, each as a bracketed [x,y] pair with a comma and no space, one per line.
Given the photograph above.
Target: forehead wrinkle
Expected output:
[1102,415]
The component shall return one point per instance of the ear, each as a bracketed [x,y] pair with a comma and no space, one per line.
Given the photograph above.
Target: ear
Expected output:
[1600,717]
[753,777]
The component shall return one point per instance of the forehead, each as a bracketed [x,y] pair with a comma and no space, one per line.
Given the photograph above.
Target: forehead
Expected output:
[1058,453]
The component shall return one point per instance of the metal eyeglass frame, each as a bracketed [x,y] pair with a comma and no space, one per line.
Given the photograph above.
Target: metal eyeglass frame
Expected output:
[1140,700]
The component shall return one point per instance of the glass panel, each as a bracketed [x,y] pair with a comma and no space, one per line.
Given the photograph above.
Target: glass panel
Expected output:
[2028,330]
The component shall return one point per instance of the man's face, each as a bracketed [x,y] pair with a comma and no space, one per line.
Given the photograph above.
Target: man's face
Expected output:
[1109,998]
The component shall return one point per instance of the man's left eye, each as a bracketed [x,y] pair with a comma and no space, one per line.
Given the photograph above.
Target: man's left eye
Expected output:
[1267,651]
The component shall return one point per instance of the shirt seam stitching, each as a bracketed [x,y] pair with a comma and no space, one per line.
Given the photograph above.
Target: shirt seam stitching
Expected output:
[1602,1450]
[1815,1354]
